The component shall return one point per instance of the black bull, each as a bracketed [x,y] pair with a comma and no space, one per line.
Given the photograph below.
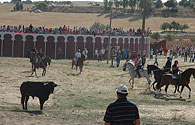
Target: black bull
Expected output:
[42,90]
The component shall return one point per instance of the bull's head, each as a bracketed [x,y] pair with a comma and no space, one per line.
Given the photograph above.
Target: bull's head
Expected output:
[51,86]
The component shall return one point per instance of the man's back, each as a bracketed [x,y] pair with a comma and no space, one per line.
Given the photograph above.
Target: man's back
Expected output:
[121,112]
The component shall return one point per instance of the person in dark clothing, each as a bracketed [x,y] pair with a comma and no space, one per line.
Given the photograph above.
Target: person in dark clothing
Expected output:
[175,70]
[122,111]
[167,66]
[139,65]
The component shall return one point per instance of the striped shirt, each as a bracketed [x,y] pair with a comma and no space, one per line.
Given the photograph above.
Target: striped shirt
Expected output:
[121,112]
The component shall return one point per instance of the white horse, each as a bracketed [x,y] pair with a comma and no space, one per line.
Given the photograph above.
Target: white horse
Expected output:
[131,66]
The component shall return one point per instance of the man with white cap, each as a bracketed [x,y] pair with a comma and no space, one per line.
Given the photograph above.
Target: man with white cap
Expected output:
[122,111]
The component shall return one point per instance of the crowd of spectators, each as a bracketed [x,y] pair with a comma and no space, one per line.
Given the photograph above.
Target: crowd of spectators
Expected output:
[75,30]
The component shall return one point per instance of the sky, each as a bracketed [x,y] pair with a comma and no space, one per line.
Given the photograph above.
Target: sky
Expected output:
[68,0]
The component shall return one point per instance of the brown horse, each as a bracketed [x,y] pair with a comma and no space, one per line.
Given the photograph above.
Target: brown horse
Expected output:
[79,63]
[185,80]
[42,64]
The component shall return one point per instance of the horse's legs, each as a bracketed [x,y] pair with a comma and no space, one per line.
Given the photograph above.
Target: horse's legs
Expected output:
[189,91]
[166,87]
[181,91]
[175,89]
[153,84]
[44,72]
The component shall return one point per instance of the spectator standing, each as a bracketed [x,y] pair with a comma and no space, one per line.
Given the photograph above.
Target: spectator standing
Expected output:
[59,53]
[99,55]
[118,59]
[122,111]
[156,60]
[96,54]
[103,53]
[85,52]
[151,53]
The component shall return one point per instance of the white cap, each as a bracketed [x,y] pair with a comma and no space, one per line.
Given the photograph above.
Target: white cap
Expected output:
[122,89]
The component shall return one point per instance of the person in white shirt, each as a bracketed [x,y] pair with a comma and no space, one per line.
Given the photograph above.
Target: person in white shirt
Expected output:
[103,53]
[77,56]
[96,54]
[85,52]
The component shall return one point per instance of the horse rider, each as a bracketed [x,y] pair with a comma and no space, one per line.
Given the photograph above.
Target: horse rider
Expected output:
[139,65]
[77,56]
[167,66]
[176,70]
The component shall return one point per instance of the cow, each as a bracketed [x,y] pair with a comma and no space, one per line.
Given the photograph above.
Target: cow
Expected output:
[42,90]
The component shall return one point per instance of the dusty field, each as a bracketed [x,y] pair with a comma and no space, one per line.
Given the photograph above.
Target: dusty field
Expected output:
[82,99]
[82,19]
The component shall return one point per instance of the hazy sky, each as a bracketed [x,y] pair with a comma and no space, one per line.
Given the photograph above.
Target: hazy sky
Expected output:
[69,0]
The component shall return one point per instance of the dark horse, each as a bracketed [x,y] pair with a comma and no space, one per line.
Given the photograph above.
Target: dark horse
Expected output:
[79,63]
[185,80]
[42,64]
[157,73]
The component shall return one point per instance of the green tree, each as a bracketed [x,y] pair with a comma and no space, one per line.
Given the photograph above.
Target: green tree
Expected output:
[42,6]
[18,6]
[105,4]
[169,37]
[155,36]
[149,6]
[164,26]
[184,27]
[15,1]
[171,4]
[116,3]
[158,4]
[125,4]
[184,3]
[132,4]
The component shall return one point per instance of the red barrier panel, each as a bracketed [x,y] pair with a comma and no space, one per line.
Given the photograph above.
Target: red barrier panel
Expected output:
[80,43]
[70,47]
[50,47]
[7,45]
[29,44]
[89,46]
[98,44]
[120,43]
[18,46]
[126,43]
[60,48]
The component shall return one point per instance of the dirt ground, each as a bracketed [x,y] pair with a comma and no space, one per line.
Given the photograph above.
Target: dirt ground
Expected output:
[81,99]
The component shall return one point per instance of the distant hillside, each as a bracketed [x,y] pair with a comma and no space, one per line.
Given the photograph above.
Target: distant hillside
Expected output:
[182,12]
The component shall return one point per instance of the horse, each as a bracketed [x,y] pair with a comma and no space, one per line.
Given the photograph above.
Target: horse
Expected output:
[132,72]
[157,73]
[42,64]
[79,63]
[185,80]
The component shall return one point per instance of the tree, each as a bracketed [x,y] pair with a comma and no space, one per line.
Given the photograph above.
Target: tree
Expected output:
[116,2]
[105,4]
[184,27]
[132,4]
[155,36]
[18,6]
[164,26]
[149,6]
[171,4]
[42,6]
[125,4]
[15,1]
[158,4]
[184,3]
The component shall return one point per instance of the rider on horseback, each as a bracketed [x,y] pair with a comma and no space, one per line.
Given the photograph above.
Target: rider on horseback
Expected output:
[167,66]
[139,65]
[77,56]
[175,70]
